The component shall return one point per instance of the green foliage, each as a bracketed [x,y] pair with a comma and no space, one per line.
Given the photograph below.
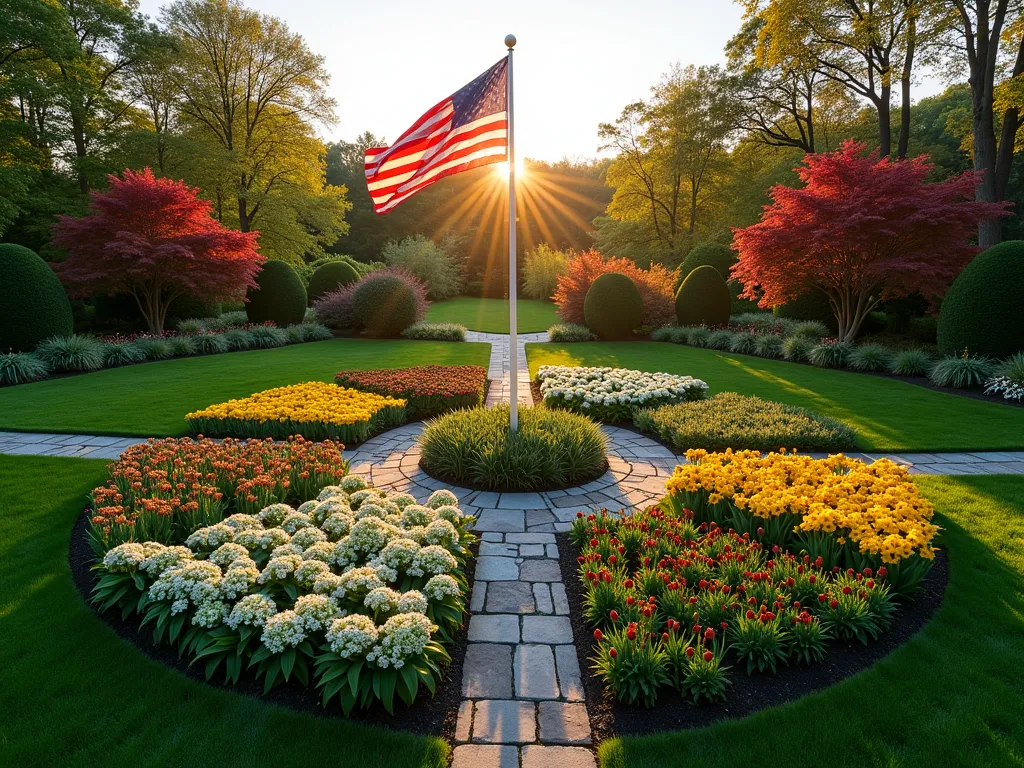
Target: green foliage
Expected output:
[762,644]
[267,337]
[716,255]
[961,372]
[744,343]
[157,348]
[870,357]
[698,337]
[33,305]
[210,343]
[182,346]
[813,305]
[541,270]
[730,420]
[613,307]
[279,297]
[72,353]
[21,367]
[238,339]
[123,353]
[911,362]
[768,345]
[830,354]
[797,348]
[551,449]
[435,332]
[1013,368]
[566,333]
[981,311]
[720,340]
[632,671]
[703,298]
[330,277]
[810,329]
[383,305]
[428,261]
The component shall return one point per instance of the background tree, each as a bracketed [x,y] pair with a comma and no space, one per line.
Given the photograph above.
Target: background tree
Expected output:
[860,230]
[156,240]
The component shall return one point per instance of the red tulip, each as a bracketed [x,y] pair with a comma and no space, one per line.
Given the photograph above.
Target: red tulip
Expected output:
[612,652]
[598,635]
[708,655]
[614,615]
[833,604]
[689,652]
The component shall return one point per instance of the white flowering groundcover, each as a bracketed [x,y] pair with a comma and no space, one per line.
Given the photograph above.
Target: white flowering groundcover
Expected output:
[357,592]
[612,394]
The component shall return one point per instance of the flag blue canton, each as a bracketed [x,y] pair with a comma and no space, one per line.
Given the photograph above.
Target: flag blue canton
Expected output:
[486,95]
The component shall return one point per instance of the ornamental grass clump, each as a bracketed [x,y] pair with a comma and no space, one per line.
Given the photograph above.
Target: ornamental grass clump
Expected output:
[435,332]
[550,450]
[911,362]
[21,367]
[830,354]
[797,348]
[744,342]
[570,333]
[352,598]
[612,394]
[769,346]
[315,410]
[730,420]
[720,340]
[123,353]
[1009,379]
[961,372]
[869,357]
[810,329]
[72,353]
[428,390]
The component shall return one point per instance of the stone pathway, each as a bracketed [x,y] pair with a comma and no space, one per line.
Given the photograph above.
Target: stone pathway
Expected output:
[498,368]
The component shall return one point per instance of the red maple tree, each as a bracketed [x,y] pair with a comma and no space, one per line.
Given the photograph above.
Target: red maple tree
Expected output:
[155,239]
[860,230]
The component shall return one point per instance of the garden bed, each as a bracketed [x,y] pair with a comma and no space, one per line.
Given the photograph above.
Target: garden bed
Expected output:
[747,695]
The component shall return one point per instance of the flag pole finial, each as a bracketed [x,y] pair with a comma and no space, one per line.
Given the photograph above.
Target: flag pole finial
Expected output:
[510,41]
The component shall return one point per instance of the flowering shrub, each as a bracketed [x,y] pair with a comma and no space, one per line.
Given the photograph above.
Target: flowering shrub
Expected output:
[164,490]
[316,410]
[656,287]
[428,390]
[612,394]
[361,611]
[676,602]
[849,513]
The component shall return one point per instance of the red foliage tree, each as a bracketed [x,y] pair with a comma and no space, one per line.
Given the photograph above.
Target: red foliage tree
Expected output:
[155,239]
[861,230]
[655,286]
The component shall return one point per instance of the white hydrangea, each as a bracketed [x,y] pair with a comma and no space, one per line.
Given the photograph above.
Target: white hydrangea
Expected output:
[280,568]
[337,525]
[321,550]
[293,521]
[371,509]
[251,610]
[441,532]
[344,554]
[306,574]
[195,581]
[442,498]
[357,582]
[211,537]
[352,635]
[382,600]
[330,491]
[326,509]
[417,533]
[402,636]
[239,579]
[584,387]
[282,630]
[412,602]
[452,514]
[226,554]
[353,483]
[242,522]
[441,586]
[433,560]
[124,558]
[401,500]
[388,574]
[316,612]
[369,535]
[307,537]
[164,558]
[274,515]
[210,614]
[416,515]
[286,549]
[356,499]
[399,553]
[266,539]
[326,583]
[307,507]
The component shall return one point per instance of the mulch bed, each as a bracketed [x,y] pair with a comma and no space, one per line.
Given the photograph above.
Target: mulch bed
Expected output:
[428,717]
[746,695]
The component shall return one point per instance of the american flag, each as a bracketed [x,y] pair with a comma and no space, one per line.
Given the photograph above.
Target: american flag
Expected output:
[466,130]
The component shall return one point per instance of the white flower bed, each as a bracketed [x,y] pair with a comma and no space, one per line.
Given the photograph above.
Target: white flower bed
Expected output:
[612,394]
[1005,386]
[357,577]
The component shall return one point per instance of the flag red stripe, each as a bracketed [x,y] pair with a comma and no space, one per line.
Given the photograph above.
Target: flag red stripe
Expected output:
[448,172]
[425,170]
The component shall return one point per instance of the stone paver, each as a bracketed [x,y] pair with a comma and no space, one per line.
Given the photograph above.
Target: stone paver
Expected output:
[496,628]
[504,721]
[485,756]
[534,672]
[487,672]
[561,723]
[510,597]
[553,630]
[558,757]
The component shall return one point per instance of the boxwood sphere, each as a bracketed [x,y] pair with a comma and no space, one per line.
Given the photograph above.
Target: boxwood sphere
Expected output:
[613,307]
[329,277]
[703,298]
[716,255]
[33,304]
[383,305]
[981,311]
[279,297]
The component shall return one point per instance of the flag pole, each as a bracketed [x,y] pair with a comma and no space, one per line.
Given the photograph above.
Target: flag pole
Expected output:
[513,363]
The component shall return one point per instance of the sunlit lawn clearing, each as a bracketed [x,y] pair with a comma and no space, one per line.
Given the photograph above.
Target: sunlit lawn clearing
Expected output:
[491,315]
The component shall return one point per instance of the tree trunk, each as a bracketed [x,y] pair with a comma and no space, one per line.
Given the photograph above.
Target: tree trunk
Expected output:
[884,123]
[243,216]
[908,64]
[990,230]
[78,131]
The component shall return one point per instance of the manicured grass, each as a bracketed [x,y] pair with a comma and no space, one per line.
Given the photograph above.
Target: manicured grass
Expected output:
[951,696]
[491,315]
[151,400]
[74,694]
[888,415]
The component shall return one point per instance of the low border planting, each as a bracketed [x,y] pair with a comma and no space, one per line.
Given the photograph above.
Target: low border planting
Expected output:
[315,410]
[429,390]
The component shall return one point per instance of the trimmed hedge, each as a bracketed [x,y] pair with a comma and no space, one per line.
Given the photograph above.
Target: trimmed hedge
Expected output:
[280,297]
[703,298]
[330,277]
[716,255]
[383,305]
[613,307]
[33,305]
[982,310]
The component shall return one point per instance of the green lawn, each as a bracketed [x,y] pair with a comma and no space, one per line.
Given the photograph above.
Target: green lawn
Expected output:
[151,400]
[888,415]
[491,315]
[74,694]
[951,696]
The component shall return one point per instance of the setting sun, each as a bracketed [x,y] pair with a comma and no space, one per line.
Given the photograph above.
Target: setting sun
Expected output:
[502,169]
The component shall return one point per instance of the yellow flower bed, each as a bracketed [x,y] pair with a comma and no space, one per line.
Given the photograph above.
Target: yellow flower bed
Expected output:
[849,512]
[316,410]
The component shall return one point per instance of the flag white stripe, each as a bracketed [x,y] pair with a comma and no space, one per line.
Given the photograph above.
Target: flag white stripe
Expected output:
[434,171]
[399,160]
[438,124]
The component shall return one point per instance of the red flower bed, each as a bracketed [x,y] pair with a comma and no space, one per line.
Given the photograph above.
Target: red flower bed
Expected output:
[428,390]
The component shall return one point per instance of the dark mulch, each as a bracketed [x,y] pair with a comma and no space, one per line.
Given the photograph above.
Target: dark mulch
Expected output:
[428,717]
[746,695]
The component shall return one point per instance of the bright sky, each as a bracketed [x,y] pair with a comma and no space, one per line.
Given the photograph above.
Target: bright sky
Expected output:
[577,63]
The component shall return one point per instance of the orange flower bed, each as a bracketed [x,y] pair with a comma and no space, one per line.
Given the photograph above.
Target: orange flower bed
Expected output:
[429,390]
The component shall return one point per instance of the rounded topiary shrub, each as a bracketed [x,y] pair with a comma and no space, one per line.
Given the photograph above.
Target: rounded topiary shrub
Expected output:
[33,305]
[981,311]
[280,296]
[330,277]
[613,307]
[716,255]
[703,298]
[383,305]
